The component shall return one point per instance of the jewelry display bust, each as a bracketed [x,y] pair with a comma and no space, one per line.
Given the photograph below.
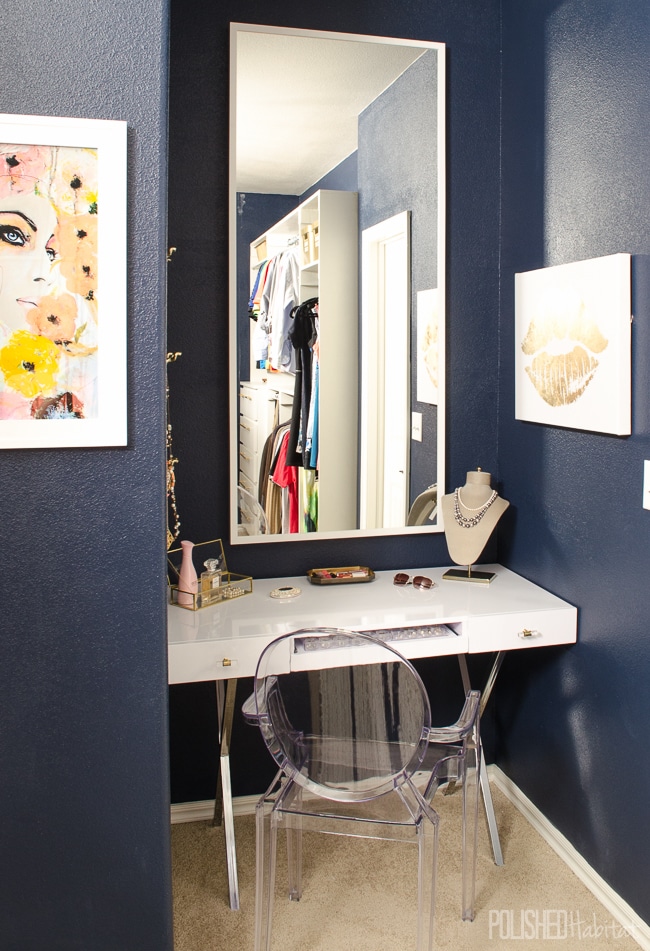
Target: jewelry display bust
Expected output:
[470,515]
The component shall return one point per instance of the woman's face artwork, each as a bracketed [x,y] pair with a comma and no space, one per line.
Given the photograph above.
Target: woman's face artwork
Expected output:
[48,282]
[27,253]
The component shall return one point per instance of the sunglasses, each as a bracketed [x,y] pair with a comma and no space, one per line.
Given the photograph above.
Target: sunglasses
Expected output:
[401,580]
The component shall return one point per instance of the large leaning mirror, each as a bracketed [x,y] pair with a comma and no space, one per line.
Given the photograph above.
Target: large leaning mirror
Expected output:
[337,294]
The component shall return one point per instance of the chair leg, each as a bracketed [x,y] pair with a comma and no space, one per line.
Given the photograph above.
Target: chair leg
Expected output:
[427,871]
[265,855]
[268,816]
[294,848]
[471,781]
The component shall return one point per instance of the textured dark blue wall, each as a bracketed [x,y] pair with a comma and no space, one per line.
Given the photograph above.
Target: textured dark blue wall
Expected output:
[576,135]
[83,749]
[198,289]
[576,132]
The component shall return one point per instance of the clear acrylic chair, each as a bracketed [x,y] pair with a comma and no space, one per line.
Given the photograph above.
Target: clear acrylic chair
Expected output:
[358,757]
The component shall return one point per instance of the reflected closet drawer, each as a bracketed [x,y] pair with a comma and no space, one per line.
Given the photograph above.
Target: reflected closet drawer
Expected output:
[248,402]
[285,407]
[528,629]
[249,463]
[258,403]
[249,484]
[248,433]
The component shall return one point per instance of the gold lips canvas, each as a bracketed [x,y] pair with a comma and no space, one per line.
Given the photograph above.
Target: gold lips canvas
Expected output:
[573,345]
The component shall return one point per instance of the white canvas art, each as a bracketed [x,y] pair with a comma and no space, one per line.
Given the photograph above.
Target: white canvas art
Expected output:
[573,345]
[62,282]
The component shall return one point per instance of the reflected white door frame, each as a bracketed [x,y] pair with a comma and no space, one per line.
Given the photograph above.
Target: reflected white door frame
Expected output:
[385,373]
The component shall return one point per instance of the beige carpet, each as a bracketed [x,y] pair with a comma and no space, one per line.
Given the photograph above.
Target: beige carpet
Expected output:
[360,895]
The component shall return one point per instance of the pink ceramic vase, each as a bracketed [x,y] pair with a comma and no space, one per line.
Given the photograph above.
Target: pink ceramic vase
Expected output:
[188,583]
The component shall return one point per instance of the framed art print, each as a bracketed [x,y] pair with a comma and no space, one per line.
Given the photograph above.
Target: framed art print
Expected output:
[573,345]
[62,282]
[428,355]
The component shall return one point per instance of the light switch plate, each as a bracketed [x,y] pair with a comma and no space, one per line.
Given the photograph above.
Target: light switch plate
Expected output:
[646,484]
[416,426]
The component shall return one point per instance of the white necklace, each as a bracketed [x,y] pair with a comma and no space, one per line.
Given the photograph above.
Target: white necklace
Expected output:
[461,519]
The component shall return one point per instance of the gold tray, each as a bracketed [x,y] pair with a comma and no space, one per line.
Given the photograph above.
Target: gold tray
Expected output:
[232,586]
[355,574]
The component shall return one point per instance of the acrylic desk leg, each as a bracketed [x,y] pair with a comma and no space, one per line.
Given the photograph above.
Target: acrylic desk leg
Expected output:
[485,783]
[223,799]
[489,811]
[220,688]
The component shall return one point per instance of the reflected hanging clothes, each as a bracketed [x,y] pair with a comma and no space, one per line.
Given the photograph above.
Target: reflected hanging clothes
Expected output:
[303,336]
[279,298]
[286,476]
[308,494]
[311,445]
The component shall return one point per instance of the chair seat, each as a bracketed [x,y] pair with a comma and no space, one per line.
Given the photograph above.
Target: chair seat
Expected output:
[343,763]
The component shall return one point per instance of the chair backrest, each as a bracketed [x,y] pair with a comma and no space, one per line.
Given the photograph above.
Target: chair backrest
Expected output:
[350,731]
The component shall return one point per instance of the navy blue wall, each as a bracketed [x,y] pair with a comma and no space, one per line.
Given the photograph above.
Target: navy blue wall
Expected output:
[575,135]
[83,743]
[198,300]
[83,796]
[198,277]
[574,723]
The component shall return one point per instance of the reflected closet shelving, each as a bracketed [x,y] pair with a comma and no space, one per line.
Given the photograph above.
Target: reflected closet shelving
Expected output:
[324,231]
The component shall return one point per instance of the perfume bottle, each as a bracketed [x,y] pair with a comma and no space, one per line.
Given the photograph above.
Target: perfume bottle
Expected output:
[210,581]
[187,581]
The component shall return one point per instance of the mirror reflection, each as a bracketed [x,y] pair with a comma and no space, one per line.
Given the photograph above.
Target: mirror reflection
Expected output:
[336,284]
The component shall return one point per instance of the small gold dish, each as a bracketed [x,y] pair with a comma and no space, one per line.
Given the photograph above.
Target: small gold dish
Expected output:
[355,574]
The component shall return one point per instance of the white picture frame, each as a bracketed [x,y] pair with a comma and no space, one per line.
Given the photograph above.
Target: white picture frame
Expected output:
[63,227]
[573,345]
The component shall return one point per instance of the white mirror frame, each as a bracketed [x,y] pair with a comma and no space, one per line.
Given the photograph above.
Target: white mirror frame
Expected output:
[439,475]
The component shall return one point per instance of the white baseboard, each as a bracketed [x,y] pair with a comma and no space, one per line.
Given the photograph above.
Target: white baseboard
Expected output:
[636,927]
[204,809]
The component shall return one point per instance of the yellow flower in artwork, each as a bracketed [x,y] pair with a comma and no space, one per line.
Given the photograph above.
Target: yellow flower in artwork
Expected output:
[29,363]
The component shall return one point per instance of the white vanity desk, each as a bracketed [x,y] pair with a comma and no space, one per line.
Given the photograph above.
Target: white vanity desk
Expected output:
[223,643]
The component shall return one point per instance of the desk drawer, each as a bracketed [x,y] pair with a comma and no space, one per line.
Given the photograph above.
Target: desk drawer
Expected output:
[217,659]
[528,629]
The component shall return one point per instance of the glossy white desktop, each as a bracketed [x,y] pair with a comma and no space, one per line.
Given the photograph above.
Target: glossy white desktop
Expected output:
[223,642]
